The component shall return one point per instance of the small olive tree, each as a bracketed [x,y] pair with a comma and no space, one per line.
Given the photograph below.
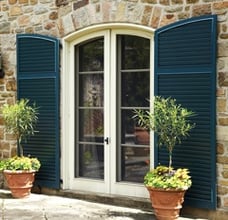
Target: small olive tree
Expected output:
[20,119]
[169,120]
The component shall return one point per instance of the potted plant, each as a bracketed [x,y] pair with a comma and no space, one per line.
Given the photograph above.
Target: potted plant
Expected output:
[166,185]
[19,171]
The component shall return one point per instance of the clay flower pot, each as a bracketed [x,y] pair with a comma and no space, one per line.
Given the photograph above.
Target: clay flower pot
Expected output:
[166,203]
[19,182]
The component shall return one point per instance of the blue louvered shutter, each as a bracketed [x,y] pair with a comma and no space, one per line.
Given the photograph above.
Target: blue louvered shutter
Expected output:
[38,81]
[185,69]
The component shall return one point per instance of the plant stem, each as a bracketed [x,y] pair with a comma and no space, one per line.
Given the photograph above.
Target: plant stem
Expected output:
[170,159]
[19,148]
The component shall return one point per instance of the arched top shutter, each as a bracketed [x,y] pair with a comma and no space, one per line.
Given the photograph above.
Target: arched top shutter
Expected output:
[38,81]
[185,69]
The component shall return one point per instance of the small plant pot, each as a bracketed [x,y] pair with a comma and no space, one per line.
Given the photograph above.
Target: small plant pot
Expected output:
[19,182]
[166,203]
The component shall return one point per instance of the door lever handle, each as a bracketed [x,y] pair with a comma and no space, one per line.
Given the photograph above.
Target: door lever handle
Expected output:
[106,140]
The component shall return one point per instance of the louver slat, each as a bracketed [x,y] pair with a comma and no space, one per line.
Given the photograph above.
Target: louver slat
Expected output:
[185,55]
[176,47]
[36,56]
[38,80]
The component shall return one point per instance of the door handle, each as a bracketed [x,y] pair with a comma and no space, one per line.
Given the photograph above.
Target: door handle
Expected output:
[106,140]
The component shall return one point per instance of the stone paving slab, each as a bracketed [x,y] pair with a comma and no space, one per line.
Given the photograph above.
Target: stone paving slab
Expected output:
[44,207]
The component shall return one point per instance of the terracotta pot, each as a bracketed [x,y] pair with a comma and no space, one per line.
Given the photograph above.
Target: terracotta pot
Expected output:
[166,203]
[19,182]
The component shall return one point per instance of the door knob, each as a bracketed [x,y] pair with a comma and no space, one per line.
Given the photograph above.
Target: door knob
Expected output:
[106,140]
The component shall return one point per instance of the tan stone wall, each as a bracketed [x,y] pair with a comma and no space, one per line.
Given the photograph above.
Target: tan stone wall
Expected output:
[62,17]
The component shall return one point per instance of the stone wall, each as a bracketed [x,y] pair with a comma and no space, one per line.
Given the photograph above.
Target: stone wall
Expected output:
[62,17]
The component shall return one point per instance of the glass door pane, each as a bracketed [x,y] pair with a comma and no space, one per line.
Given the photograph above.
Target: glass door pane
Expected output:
[90,110]
[133,60]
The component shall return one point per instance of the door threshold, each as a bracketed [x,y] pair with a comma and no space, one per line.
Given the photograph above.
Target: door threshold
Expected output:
[118,200]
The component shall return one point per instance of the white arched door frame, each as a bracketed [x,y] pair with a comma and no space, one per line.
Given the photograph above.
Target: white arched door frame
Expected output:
[109,31]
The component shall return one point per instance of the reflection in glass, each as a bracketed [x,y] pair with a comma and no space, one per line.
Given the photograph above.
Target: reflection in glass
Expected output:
[91,56]
[131,133]
[91,161]
[91,125]
[89,156]
[142,136]
[133,71]
[135,52]
[134,158]
[135,88]
[91,88]
[135,163]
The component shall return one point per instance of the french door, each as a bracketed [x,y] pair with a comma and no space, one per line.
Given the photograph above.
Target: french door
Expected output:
[111,78]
